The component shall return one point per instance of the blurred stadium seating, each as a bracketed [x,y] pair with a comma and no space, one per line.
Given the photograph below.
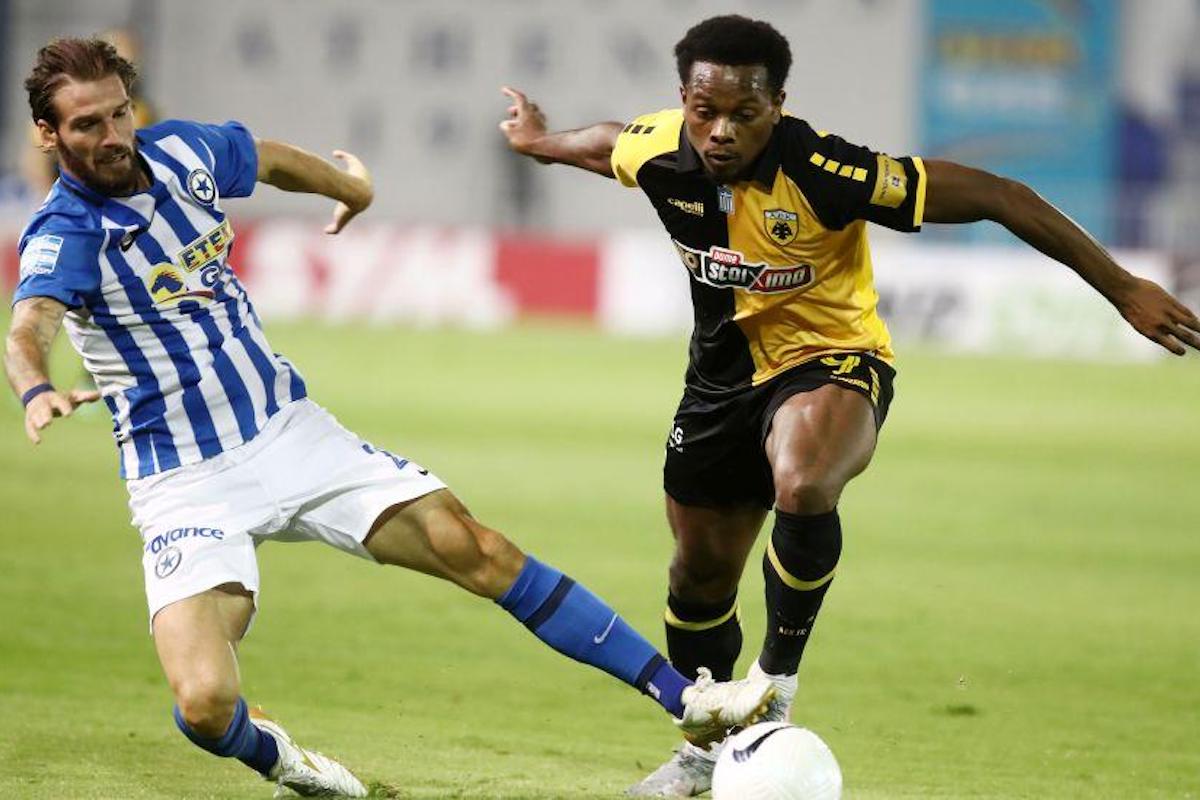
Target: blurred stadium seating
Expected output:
[1094,103]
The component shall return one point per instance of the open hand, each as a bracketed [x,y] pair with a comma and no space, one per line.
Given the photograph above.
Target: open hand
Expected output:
[43,408]
[1158,316]
[358,198]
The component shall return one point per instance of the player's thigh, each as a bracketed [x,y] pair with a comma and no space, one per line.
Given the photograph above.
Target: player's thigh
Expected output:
[334,487]
[196,639]
[198,524]
[819,440]
[436,535]
[711,548]
[821,423]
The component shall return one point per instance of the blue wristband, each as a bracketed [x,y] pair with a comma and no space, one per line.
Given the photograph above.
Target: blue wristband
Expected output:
[41,388]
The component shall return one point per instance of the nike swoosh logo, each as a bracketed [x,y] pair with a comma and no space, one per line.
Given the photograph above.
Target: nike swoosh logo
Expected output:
[127,239]
[600,639]
[740,754]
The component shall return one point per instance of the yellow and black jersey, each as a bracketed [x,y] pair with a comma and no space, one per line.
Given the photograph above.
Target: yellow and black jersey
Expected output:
[779,263]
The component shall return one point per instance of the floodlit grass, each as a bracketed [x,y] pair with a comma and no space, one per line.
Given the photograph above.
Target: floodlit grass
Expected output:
[1016,614]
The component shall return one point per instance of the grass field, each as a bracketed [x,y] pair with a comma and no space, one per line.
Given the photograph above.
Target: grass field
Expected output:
[1017,614]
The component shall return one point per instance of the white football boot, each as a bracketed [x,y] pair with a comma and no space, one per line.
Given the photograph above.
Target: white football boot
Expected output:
[305,772]
[710,708]
[688,772]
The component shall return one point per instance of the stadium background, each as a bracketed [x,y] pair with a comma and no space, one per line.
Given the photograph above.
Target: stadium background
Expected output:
[1015,617]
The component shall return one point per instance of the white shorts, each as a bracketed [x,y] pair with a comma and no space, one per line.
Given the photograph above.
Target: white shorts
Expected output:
[302,478]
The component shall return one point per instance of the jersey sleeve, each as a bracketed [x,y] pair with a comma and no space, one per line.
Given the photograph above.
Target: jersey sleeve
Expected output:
[234,157]
[845,182]
[59,264]
[647,136]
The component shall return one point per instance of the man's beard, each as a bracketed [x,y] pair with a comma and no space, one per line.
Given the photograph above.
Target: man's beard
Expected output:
[111,180]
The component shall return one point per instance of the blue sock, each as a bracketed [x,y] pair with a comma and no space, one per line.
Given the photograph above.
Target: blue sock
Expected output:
[580,625]
[242,740]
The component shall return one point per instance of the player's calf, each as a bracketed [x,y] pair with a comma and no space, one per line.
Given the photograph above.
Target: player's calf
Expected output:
[798,567]
[703,634]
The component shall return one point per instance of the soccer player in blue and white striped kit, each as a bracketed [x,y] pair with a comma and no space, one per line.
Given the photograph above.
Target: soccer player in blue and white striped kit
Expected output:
[219,445]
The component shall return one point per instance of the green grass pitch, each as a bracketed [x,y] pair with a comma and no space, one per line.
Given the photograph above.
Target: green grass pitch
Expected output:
[1017,614]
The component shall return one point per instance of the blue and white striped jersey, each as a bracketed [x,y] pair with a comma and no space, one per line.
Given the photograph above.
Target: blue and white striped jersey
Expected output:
[163,324]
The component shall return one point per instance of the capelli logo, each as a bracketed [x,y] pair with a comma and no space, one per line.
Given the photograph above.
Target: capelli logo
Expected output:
[693,207]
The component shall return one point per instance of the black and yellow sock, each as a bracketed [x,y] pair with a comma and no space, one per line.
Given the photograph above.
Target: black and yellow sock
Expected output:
[799,565]
[703,635]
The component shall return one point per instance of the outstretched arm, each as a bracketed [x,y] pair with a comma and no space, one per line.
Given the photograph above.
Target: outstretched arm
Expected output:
[293,169]
[587,148]
[961,194]
[35,323]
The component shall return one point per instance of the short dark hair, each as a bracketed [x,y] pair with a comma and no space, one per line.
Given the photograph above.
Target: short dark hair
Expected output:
[736,41]
[77,59]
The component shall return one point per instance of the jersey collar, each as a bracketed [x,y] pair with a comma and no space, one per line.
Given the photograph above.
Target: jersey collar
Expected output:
[765,168]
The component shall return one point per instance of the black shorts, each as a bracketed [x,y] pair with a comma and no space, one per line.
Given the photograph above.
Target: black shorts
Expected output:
[715,451]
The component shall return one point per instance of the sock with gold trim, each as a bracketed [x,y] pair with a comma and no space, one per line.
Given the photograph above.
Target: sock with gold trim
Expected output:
[703,635]
[799,564]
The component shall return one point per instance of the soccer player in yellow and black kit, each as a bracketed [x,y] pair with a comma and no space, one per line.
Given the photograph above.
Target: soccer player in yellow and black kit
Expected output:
[790,366]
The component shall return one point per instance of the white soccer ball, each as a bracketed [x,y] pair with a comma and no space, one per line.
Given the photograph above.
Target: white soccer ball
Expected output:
[776,761]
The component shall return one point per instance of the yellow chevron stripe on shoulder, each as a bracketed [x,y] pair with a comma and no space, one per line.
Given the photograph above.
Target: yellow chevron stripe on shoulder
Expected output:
[648,136]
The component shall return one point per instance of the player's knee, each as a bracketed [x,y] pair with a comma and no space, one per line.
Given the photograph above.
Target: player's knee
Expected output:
[807,491]
[498,566]
[478,558]
[206,703]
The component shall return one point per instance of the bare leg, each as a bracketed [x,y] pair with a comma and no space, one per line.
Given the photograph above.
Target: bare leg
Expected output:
[819,441]
[196,639]
[711,547]
[436,535]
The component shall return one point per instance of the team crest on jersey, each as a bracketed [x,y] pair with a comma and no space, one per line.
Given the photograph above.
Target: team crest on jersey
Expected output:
[782,226]
[725,268]
[168,287]
[201,186]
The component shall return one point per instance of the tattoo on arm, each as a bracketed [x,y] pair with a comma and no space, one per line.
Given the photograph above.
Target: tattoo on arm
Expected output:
[35,324]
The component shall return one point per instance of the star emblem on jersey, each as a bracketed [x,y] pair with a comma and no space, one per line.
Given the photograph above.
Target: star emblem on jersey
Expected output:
[168,561]
[782,226]
[201,186]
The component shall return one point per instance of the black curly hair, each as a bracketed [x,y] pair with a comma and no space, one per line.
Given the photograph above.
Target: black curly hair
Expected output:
[737,41]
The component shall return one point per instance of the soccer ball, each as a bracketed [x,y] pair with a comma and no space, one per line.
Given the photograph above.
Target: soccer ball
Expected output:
[776,761]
